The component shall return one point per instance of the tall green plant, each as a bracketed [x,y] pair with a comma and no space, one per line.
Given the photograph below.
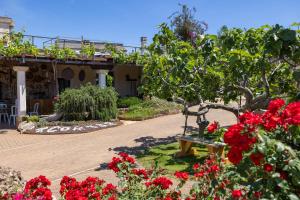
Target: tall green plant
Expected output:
[88,102]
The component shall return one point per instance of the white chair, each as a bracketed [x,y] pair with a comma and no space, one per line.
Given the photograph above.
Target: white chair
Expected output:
[35,110]
[13,115]
[3,113]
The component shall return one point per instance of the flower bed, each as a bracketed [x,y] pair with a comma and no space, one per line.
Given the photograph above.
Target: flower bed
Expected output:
[263,150]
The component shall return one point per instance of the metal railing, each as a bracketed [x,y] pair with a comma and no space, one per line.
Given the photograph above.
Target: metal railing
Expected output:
[42,42]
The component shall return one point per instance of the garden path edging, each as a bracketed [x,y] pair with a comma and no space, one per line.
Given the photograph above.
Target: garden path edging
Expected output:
[75,129]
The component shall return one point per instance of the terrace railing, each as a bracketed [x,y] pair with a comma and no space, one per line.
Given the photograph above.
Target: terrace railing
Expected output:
[42,42]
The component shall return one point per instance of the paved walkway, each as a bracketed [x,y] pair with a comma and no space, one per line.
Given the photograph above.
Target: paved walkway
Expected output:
[79,155]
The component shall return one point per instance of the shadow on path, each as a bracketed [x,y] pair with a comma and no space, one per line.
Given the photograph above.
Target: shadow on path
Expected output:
[144,144]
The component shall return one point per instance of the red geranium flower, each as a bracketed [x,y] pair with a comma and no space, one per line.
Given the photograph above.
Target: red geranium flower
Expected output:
[250,118]
[275,105]
[232,135]
[113,165]
[235,155]
[283,175]
[109,189]
[291,114]
[199,174]
[256,158]
[196,166]
[257,195]
[141,172]
[182,175]
[162,182]
[212,127]
[236,194]
[268,167]
[214,168]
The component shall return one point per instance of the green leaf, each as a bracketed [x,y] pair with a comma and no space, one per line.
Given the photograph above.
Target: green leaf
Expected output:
[279,147]
[293,197]
[288,35]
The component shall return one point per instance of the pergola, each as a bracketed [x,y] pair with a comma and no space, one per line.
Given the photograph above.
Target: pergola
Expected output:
[21,65]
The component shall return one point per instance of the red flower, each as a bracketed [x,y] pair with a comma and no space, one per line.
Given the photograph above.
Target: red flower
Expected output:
[113,197]
[109,189]
[212,127]
[196,166]
[148,184]
[125,157]
[236,194]
[214,168]
[113,165]
[232,135]
[199,174]
[291,114]
[141,172]
[235,155]
[250,118]
[275,105]
[162,182]
[42,193]
[257,195]
[283,175]
[256,158]
[37,182]
[268,167]
[182,175]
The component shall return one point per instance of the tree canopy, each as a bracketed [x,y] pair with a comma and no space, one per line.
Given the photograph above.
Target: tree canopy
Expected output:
[186,26]
[258,63]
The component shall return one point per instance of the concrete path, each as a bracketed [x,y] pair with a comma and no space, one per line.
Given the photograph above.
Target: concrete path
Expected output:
[80,155]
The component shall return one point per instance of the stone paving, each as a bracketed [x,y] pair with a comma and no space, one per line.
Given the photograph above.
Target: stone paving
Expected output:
[80,155]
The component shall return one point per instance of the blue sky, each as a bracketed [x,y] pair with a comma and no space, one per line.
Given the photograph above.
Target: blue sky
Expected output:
[126,20]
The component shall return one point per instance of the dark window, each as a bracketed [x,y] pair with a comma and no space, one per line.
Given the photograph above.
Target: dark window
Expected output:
[63,84]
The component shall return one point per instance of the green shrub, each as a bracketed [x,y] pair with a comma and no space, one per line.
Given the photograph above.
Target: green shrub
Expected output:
[33,118]
[89,102]
[128,101]
[149,109]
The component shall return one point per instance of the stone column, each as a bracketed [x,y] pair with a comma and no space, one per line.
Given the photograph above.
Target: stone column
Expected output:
[102,77]
[21,91]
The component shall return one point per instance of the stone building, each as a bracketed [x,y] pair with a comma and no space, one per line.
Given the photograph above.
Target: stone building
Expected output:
[25,80]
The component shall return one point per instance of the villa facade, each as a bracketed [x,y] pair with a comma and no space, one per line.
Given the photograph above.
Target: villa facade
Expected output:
[26,80]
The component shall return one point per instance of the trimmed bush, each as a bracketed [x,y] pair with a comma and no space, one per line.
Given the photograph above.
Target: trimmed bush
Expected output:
[149,109]
[128,101]
[89,102]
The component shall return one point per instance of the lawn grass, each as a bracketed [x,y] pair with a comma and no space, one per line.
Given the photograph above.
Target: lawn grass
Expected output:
[149,109]
[164,156]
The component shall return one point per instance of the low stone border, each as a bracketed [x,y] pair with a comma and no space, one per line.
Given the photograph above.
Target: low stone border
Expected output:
[51,130]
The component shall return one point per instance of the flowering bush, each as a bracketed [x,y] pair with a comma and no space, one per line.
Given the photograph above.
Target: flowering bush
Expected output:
[263,150]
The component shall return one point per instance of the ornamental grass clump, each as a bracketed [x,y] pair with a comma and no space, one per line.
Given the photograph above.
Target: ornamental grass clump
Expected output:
[88,102]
